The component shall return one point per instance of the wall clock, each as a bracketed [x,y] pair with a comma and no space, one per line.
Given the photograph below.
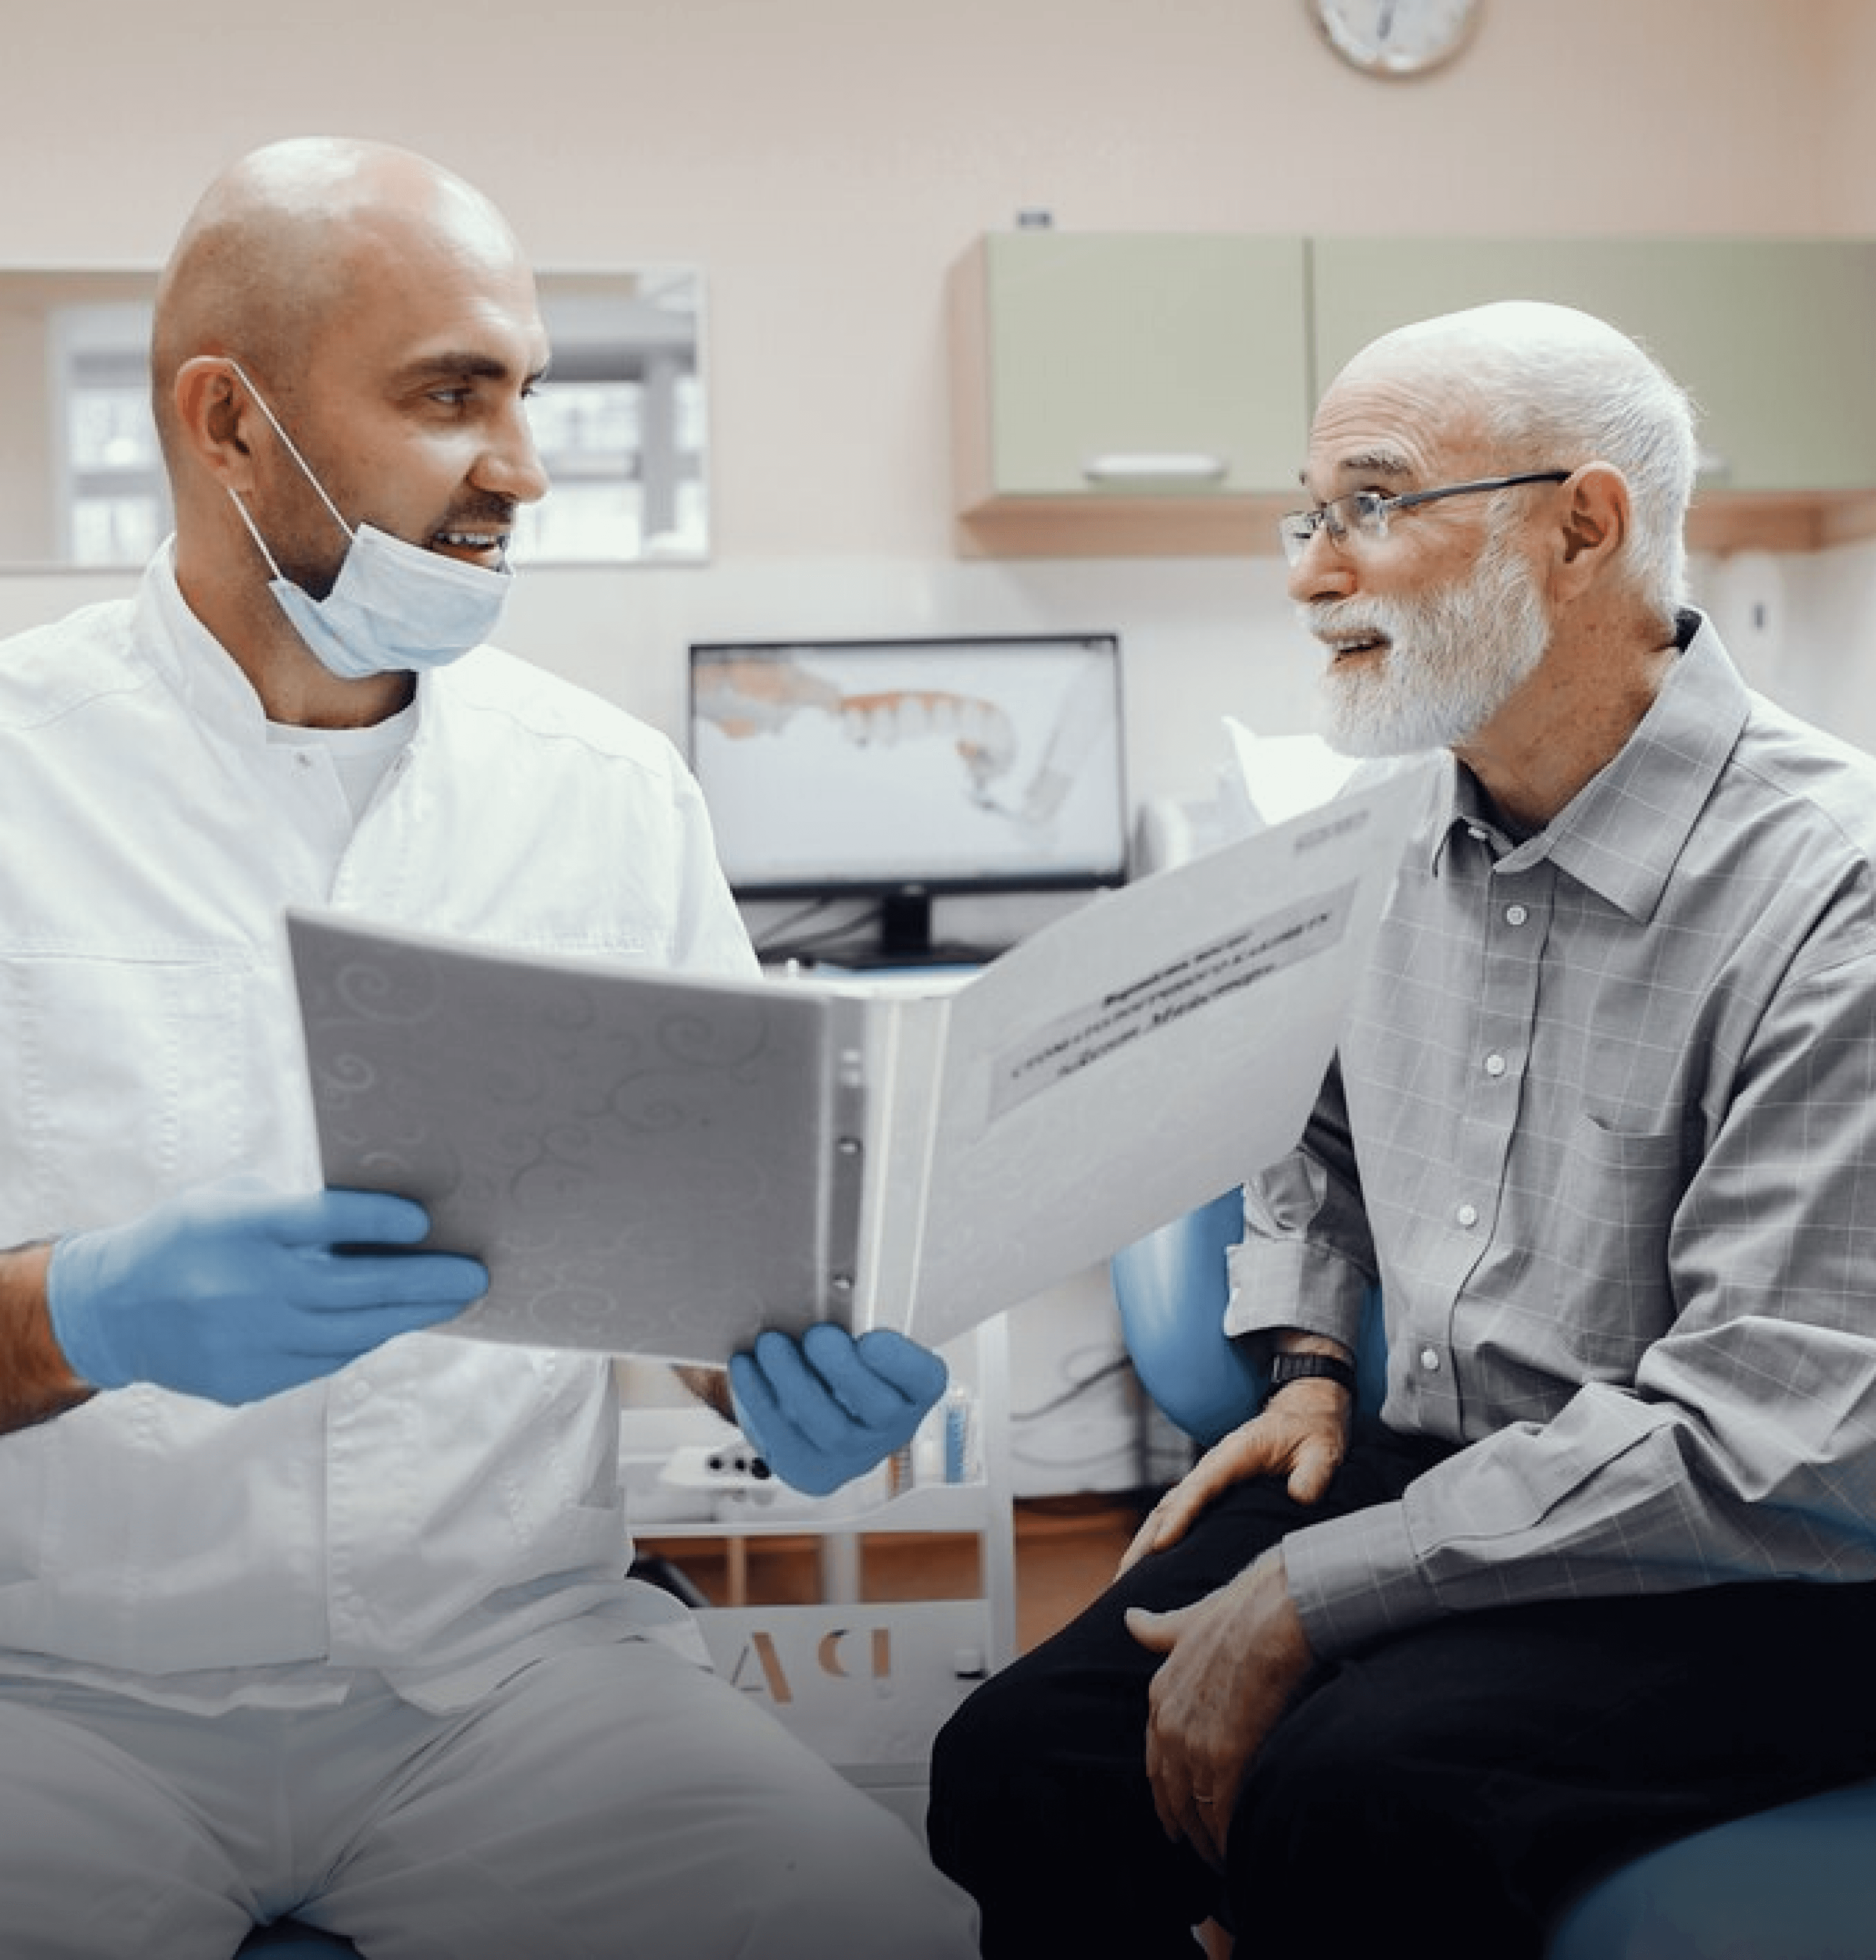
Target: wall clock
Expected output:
[1397,37]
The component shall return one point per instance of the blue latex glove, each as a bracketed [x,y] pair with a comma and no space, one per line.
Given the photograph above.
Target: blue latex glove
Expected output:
[235,1291]
[825,1409]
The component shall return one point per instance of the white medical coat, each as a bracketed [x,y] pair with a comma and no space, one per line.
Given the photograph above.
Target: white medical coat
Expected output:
[441,1510]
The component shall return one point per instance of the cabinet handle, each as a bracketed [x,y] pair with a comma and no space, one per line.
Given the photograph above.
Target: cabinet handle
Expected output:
[1148,466]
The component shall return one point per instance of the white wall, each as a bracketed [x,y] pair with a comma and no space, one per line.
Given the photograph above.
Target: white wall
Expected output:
[825,160]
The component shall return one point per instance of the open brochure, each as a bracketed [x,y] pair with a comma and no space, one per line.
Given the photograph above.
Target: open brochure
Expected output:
[660,1165]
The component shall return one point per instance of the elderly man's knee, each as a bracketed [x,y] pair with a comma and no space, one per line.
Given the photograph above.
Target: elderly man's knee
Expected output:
[973,1760]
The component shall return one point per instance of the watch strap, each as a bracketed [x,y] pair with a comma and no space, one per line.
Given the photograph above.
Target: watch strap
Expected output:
[1288,1368]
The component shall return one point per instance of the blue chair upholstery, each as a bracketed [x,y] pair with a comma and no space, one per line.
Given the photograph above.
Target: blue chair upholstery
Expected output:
[1795,1882]
[1170,1288]
[1164,1285]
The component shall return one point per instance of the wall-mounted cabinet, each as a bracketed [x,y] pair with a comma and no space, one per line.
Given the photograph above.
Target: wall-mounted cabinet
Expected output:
[1772,337]
[1085,364]
[1126,393]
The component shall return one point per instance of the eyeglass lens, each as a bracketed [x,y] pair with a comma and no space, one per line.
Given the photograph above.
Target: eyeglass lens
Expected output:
[1363,511]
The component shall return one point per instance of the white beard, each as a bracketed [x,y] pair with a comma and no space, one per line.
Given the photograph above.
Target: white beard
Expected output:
[1453,657]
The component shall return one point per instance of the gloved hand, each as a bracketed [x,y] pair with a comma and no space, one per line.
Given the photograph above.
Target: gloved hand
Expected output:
[825,1409]
[235,1291]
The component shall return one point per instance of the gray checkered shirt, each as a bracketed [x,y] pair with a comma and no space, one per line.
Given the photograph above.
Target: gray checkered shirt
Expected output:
[1604,1125]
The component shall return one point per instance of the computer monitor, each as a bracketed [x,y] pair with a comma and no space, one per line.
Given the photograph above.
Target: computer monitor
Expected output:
[903,769]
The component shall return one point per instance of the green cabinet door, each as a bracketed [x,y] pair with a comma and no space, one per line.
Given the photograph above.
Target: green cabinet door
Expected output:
[1154,365]
[1774,338]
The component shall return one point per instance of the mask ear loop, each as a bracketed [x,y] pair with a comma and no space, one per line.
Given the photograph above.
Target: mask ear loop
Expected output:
[254,531]
[292,449]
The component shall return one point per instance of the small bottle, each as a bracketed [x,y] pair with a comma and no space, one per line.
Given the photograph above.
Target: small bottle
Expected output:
[961,1441]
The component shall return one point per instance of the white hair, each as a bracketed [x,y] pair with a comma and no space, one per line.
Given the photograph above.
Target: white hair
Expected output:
[1558,388]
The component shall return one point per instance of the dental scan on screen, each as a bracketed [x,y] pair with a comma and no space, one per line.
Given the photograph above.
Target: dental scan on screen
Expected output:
[860,764]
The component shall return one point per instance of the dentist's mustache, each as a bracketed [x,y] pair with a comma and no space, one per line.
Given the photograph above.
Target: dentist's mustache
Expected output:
[491,513]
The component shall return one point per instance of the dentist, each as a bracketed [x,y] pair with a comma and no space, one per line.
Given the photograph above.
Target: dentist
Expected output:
[304,1607]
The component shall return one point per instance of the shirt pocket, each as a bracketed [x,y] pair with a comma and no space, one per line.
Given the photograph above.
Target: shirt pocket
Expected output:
[127,1079]
[1617,1194]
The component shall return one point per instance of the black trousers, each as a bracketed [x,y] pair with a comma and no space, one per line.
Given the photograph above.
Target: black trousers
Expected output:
[1449,1791]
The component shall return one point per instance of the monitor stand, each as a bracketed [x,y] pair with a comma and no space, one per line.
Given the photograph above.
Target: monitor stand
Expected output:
[905,928]
[905,938]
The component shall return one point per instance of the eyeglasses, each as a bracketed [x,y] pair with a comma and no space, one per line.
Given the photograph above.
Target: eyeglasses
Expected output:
[1365,512]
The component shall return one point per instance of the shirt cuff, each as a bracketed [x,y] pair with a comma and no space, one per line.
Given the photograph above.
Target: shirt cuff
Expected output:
[1290,1283]
[1354,1579]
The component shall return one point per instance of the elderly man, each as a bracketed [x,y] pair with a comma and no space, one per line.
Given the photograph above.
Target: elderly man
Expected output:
[303,1607]
[1603,1127]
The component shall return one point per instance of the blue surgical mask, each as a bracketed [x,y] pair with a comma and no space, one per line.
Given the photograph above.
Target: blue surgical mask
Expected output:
[394,608]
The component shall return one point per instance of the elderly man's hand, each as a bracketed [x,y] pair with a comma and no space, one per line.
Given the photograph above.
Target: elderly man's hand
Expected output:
[1234,1660]
[825,1409]
[1301,1434]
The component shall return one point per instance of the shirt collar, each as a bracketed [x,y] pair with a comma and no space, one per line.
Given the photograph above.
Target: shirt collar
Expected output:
[1623,832]
[202,671]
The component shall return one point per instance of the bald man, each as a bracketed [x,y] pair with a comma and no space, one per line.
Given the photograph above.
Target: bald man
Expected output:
[1603,1127]
[304,1607]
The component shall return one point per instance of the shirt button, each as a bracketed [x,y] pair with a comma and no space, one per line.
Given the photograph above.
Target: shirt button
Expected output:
[1467,1215]
[1430,1359]
[1515,915]
[1495,1064]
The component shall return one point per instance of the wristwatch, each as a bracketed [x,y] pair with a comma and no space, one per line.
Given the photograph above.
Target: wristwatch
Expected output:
[1286,1368]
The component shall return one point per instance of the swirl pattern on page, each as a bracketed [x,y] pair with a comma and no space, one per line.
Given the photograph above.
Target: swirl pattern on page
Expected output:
[613,1154]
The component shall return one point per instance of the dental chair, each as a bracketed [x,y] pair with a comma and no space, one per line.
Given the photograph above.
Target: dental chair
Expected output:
[1794,1882]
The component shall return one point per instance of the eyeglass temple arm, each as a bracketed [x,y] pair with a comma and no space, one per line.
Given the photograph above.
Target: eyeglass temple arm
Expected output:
[1409,497]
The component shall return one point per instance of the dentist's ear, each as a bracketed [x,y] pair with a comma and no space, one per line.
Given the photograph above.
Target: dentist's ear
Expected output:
[211,409]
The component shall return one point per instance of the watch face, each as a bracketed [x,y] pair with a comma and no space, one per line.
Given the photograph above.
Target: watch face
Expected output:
[1397,37]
